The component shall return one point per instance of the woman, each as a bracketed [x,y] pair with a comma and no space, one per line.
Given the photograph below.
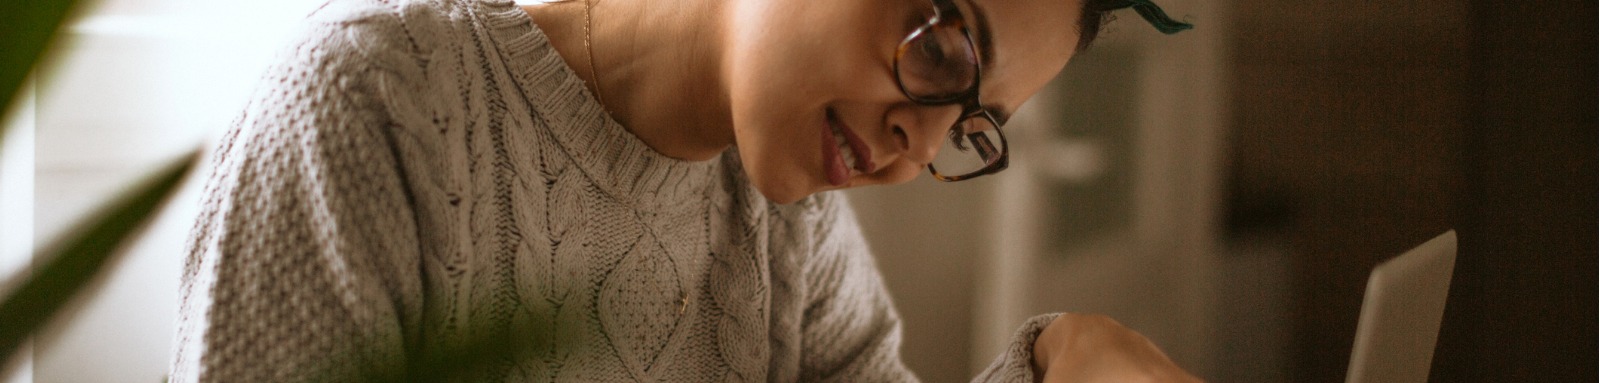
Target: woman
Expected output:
[418,176]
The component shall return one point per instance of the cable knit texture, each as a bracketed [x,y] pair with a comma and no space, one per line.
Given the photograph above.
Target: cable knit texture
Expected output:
[416,174]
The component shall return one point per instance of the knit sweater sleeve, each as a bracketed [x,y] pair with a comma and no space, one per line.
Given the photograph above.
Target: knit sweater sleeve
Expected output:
[851,330]
[303,265]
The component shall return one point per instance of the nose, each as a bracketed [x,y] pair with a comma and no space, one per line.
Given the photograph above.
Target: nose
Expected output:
[920,129]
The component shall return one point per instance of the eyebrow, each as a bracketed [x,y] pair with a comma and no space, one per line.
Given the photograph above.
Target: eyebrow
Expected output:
[986,53]
[985,35]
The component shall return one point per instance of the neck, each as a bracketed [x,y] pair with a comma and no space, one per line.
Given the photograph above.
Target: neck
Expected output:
[658,65]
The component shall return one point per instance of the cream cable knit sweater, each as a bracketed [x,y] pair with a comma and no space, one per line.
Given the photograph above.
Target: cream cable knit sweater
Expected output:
[416,173]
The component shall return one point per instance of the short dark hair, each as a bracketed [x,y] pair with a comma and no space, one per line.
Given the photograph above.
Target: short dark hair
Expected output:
[1097,13]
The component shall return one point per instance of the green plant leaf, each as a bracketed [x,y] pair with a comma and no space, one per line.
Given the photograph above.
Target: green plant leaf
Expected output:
[26,27]
[66,266]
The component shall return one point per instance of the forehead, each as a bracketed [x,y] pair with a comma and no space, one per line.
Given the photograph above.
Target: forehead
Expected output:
[1031,40]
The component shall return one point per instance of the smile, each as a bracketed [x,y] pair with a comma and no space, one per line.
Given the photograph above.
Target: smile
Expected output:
[844,155]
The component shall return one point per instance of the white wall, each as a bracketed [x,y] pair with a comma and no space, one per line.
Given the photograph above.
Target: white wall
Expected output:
[16,213]
[131,85]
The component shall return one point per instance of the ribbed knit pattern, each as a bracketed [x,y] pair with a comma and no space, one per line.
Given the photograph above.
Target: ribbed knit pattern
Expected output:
[417,174]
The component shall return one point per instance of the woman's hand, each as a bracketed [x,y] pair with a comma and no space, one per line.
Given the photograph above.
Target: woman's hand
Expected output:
[1095,348]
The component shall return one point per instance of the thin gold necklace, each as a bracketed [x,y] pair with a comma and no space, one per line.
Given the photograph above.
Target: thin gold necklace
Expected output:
[588,20]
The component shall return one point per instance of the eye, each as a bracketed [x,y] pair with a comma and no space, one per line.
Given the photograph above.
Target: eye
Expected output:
[938,62]
[931,53]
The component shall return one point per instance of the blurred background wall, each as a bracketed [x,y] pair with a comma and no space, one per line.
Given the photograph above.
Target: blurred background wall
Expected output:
[1361,127]
[1350,132]
[1224,190]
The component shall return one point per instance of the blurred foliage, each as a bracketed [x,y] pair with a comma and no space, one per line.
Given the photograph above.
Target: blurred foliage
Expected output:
[26,27]
[63,269]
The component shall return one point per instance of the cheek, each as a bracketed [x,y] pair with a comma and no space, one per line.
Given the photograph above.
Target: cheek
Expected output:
[808,53]
[778,157]
[782,71]
[777,116]
[771,99]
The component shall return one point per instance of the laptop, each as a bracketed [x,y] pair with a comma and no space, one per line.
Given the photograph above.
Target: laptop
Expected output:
[1401,312]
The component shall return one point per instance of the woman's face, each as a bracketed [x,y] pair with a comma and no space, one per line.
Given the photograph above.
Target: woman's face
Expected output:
[800,69]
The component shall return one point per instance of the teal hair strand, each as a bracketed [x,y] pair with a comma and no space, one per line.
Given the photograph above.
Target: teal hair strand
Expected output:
[1153,14]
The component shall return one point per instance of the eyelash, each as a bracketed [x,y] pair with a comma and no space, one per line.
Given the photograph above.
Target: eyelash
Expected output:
[955,138]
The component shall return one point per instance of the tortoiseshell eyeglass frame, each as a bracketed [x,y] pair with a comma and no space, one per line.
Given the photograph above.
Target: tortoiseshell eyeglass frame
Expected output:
[948,15]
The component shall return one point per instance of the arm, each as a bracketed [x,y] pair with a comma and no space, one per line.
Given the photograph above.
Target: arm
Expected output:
[303,264]
[851,331]
[1095,348]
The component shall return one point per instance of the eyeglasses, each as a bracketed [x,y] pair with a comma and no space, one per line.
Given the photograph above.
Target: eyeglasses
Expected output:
[937,64]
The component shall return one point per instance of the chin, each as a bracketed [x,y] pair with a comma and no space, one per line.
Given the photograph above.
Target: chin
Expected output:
[780,192]
[780,188]
[776,181]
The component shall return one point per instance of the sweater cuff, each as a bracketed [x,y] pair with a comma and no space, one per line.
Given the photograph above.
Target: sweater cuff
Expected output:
[1015,364]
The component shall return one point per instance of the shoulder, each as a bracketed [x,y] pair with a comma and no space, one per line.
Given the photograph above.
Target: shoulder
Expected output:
[384,56]
[384,33]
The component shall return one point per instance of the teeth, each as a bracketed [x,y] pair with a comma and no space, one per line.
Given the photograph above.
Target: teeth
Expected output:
[845,151]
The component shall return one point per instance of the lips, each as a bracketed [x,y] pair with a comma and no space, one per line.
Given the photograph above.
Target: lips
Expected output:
[844,153]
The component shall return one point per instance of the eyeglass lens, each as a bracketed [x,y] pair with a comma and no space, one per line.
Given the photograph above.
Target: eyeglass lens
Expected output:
[937,64]
[973,144]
